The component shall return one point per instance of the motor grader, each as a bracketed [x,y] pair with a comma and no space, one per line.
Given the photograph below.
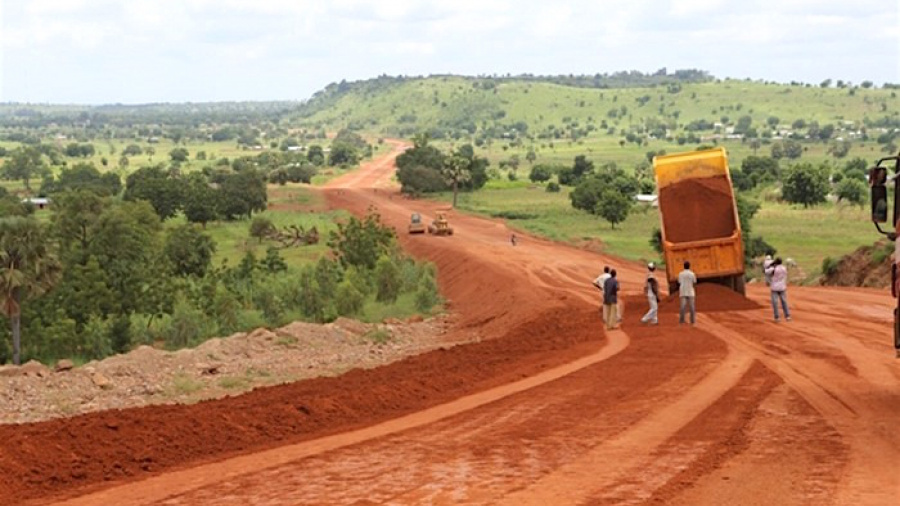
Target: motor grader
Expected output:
[440,226]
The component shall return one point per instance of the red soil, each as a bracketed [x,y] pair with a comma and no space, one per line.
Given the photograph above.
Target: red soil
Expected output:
[711,298]
[697,209]
[57,456]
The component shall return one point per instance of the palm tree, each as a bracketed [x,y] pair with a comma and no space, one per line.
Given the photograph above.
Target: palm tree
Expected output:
[27,269]
[456,170]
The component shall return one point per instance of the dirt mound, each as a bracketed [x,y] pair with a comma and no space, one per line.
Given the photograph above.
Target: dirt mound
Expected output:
[868,266]
[697,209]
[95,448]
[711,298]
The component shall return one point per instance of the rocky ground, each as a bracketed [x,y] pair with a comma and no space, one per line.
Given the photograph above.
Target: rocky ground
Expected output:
[217,368]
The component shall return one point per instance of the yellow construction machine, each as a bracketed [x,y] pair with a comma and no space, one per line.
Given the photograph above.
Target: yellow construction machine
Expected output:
[415,224]
[440,226]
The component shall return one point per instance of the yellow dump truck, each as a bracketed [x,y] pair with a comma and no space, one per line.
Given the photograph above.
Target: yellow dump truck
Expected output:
[699,218]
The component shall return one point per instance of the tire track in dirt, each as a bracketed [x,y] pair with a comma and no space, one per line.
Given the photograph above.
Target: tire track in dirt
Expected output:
[178,483]
[634,448]
[859,407]
[479,456]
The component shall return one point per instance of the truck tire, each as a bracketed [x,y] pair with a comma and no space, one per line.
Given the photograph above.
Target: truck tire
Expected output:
[738,284]
[673,288]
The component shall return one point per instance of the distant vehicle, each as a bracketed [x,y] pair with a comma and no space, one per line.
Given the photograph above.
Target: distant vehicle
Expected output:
[415,224]
[440,226]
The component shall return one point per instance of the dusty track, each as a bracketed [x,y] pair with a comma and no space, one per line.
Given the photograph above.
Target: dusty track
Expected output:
[737,410]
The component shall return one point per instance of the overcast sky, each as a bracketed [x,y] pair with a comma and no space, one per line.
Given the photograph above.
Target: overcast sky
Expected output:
[138,51]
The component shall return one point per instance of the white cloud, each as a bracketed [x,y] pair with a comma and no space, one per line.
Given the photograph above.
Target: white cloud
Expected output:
[111,50]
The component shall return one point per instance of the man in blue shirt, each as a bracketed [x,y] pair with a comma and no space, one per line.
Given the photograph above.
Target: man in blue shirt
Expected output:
[611,300]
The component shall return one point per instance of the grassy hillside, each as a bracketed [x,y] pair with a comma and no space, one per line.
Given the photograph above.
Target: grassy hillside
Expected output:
[512,117]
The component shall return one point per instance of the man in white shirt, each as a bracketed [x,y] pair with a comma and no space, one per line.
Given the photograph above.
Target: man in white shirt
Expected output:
[652,290]
[686,281]
[599,282]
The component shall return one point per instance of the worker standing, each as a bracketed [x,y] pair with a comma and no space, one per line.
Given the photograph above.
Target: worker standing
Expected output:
[601,279]
[611,300]
[652,290]
[779,275]
[686,281]
[766,264]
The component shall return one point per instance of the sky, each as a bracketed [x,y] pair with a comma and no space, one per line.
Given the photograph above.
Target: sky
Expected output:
[141,51]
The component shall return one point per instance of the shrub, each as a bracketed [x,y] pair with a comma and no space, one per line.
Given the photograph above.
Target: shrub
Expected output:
[261,227]
[829,266]
[553,187]
[349,299]
[427,294]
[387,280]
[187,325]
[540,173]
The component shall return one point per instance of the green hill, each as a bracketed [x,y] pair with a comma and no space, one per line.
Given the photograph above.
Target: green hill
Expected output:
[508,116]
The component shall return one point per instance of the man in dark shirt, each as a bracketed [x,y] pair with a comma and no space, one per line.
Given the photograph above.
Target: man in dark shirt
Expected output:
[611,300]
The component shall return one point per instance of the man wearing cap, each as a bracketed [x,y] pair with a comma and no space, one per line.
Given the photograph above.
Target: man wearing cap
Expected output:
[766,264]
[651,288]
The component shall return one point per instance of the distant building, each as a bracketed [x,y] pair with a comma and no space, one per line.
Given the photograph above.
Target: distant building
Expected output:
[39,202]
[647,199]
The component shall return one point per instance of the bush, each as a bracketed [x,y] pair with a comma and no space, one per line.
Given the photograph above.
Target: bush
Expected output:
[514,215]
[852,191]
[805,184]
[261,227]
[881,252]
[755,247]
[540,173]
[268,300]
[427,294]
[95,339]
[387,280]
[829,266]
[349,299]
[361,242]
[120,334]
[656,240]
[553,187]
[186,326]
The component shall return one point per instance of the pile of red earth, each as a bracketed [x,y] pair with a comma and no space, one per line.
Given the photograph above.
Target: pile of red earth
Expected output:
[697,209]
[868,266]
[711,298]
[66,457]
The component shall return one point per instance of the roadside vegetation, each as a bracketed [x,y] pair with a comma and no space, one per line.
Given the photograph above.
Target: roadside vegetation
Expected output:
[174,255]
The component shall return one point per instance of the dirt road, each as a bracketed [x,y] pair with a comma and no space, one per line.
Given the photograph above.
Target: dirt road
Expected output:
[547,409]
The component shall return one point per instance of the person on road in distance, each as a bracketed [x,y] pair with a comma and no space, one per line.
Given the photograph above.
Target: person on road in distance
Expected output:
[686,281]
[778,273]
[766,264]
[601,279]
[611,300]
[652,290]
